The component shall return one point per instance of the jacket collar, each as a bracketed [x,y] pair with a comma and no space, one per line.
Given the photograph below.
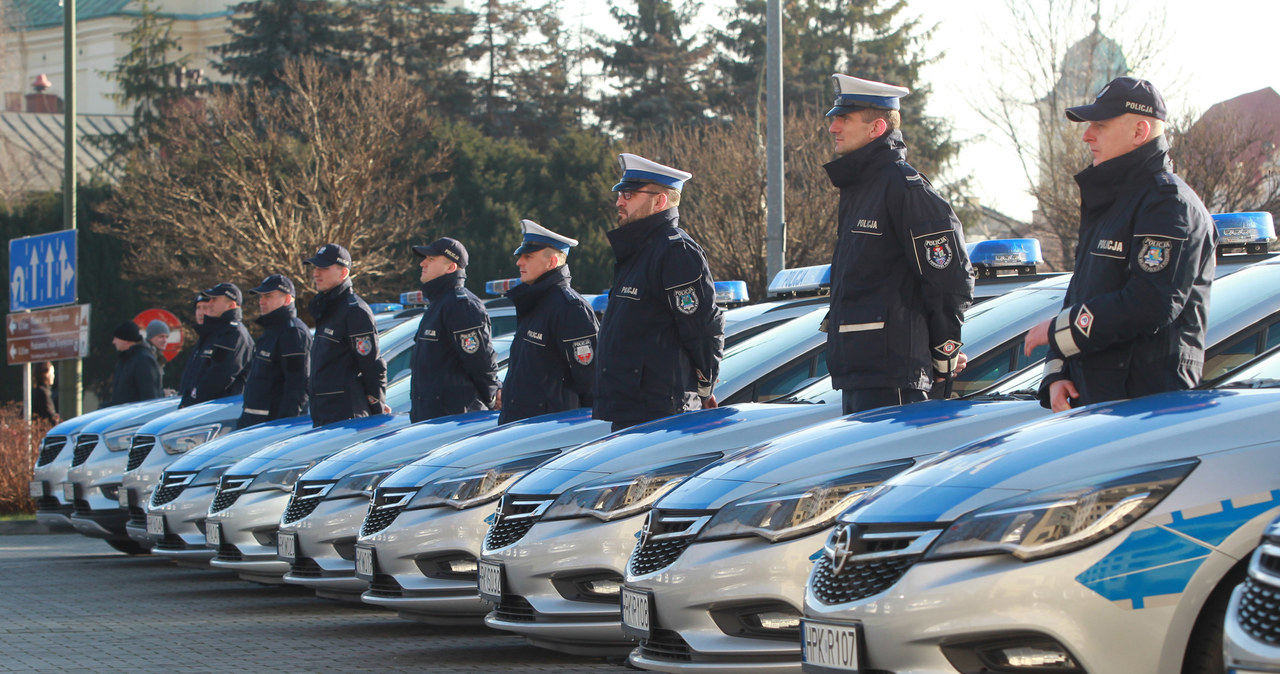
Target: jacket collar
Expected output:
[631,237]
[322,302]
[132,351]
[851,168]
[525,297]
[228,317]
[278,317]
[1102,183]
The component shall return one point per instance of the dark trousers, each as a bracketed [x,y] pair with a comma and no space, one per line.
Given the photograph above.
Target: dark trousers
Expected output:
[861,399]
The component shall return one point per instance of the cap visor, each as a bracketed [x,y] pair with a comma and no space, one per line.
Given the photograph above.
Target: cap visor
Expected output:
[844,110]
[530,247]
[1090,113]
[424,251]
[629,186]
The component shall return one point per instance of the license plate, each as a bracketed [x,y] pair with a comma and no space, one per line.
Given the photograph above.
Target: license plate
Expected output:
[155,524]
[123,497]
[69,492]
[213,534]
[831,646]
[490,581]
[287,547]
[637,616]
[365,563]
[37,489]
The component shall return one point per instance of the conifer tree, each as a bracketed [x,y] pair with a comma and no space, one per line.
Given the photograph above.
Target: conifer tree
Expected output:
[148,76]
[266,34]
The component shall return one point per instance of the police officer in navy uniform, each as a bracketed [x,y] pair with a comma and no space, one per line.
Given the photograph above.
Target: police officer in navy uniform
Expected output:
[221,362]
[454,367]
[900,277]
[662,335]
[1133,320]
[552,364]
[348,376]
[277,383]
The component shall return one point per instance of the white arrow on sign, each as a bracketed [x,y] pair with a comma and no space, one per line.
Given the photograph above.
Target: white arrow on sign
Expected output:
[13,326]
[34,266]
[18,286]
[66,273]
[13,352]
[48,271]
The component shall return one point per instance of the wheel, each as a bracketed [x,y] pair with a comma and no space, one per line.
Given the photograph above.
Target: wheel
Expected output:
[130,547]
[1204,649]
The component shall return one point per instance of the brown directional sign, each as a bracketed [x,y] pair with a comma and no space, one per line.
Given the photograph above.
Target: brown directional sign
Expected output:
[49,334]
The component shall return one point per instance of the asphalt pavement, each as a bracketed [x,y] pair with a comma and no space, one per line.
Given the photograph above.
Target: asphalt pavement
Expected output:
[71,604]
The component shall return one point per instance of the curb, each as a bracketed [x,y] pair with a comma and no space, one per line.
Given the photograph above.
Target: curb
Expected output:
[22,527]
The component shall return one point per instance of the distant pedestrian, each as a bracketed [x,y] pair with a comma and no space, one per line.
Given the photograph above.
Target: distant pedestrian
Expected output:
[348,376]
[454,367]
[278,374]
[42,403]
[137,375]
[222,358]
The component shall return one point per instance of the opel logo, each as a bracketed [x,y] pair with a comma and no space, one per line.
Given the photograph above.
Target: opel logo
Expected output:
[843,544]
[646,530]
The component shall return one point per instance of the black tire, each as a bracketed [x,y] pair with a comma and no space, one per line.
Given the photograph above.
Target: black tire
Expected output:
[130,547]
[1204,649]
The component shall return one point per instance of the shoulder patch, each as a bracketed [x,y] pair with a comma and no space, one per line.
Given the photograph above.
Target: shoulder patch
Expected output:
[1166,182]
[913,177]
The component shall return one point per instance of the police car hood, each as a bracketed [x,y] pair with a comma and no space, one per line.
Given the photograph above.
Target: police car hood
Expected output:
[1090,442]
[394,449]
[711,433]
[546,434]
[232,447]
[68,427]
[133,414]
[907,432]
[223,410]
[317,443]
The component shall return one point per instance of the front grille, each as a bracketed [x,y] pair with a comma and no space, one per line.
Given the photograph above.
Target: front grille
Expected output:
[166,493]
[665,536]
[666,645]
[230,487]
[516,516]
[385,585]
[306,567]
[306,496]
[379,519]
[858,580]
[84,447]
[514,609]
[1259,611]
[138,451]
[50,447]
[229,553]
[1269,560]
[47,503]
[224,499]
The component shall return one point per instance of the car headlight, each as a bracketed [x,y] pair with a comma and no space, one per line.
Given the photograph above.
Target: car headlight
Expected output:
[793,509]
[279,478]
[360,484]
[479,486]
[181,441]
[1062,518]
[621,495]
[121,440]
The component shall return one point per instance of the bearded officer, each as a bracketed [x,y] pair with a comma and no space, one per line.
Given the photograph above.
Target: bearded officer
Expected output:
[348,376]
[663,335]
[900,277]
[454,367]
[277,384]
[552,365]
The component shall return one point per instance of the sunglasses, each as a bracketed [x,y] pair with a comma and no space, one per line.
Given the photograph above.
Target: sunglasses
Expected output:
[628,195]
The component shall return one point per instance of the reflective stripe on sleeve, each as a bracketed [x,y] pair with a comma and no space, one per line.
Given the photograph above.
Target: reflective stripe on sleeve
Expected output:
[860,327]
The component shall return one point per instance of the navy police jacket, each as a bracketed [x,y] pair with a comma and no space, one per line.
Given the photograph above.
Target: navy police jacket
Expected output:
[1133,320]
[346,369]
[277,384]
[663,335]
[221,361]
[454,367]
[137,376]
[552,363]
[900,277]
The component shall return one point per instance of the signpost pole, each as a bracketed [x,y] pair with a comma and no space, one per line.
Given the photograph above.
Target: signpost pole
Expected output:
[70,393]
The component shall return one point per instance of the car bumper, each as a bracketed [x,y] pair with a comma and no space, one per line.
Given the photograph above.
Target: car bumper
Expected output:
[541,578]
[702,605]
[184,525]
[1245,648]
[326,540]
[248,536]
[406,578]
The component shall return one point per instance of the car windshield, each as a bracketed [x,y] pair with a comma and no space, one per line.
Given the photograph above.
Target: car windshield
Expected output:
[1262,373]
[991,320]
[745,357]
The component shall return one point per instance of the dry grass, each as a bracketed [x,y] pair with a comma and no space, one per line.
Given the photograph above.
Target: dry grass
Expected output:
[19,445]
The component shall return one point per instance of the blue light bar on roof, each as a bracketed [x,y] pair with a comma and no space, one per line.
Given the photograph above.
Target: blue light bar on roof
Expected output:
[1252,231]
[501,286]
[807,280]
[599,302]
[413,299]
[1006,253]
[381,307]
[731,292]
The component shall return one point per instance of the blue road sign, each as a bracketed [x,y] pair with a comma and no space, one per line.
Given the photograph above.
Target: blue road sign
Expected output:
[42,270]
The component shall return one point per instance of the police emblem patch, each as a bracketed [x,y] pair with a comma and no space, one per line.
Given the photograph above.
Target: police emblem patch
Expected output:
[469,341]
[686,300]
[364,345]
[1155,254]
[948,348]
[1084,320]
[939,252]
[582,352]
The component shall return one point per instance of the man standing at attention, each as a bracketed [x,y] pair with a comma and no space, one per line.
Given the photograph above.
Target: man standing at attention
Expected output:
[454,367]
[900,277]
[663,335]
[1133,321]
[552,365]
[277,384]
[348,378]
